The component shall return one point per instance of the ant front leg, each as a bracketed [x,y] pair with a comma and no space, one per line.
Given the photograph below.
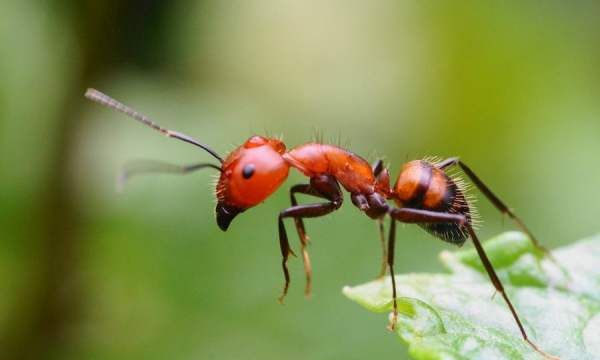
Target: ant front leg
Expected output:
[323,186]
[304,239]
[418,216]
[495,201]
[286,250]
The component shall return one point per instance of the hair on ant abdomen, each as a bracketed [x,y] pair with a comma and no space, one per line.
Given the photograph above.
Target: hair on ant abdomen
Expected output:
[423,185]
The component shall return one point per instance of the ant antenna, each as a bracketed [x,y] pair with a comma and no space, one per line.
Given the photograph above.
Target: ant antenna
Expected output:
[107,101]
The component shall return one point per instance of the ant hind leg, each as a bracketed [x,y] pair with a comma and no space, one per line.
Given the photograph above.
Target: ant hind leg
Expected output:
[418,216]
[498,204]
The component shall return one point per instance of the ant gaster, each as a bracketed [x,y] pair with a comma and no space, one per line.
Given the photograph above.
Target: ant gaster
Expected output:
[424,194]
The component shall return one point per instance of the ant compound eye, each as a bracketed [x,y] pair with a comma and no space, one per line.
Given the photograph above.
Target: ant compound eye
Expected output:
[248,171]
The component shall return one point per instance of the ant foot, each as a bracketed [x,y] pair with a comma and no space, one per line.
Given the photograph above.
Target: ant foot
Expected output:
[393,320]
[308,291]
[281,298]
[541,352]
[382,273]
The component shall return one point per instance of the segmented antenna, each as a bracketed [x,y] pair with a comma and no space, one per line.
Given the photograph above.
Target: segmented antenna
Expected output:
[107,101]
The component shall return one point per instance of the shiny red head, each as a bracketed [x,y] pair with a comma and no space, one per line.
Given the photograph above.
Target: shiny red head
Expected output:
[249,175]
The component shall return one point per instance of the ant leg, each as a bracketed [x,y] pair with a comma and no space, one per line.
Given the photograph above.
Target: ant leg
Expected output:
[384,252]
[496,202]
[377,168]
[323,186]
[390,262]
[285,252]
[447,163]
[409,215]
[304,239]
[154,166]
[498,285]
[418,216]
[299,211]
[302,189]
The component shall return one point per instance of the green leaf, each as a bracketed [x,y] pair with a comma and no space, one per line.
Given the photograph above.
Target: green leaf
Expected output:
[456,316]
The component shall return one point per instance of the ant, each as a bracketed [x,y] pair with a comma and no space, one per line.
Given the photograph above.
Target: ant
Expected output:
[424,194]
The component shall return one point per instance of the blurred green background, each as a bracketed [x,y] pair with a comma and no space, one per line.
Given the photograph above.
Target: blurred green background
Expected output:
[86,273]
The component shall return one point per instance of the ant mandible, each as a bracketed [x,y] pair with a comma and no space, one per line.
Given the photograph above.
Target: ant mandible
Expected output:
[424,194]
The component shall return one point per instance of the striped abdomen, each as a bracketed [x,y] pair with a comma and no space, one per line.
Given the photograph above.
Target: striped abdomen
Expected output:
[422,185]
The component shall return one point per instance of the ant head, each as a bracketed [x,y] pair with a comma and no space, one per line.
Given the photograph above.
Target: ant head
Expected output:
[249,175]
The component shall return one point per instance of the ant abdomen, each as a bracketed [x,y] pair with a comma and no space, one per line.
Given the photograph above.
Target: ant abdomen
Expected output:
[422,185]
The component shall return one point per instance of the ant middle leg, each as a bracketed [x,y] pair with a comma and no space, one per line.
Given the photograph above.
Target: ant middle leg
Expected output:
[418,216]
[384,251]
[323,186]
[390,263]
[382,175]
[498,204]
[414,216]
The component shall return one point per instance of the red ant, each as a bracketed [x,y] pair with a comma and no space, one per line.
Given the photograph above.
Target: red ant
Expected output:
[424,194]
